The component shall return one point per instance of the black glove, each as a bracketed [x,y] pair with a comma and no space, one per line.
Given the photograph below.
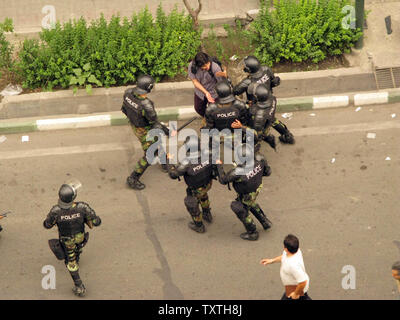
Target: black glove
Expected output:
[97,222]
[275,82]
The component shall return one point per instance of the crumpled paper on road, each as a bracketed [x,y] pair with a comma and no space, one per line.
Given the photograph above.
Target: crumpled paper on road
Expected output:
[11,90]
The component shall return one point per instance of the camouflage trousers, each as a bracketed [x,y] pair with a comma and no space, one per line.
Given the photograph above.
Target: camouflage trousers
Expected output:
[73,248]
[249,202]
[201,194]
[141,134]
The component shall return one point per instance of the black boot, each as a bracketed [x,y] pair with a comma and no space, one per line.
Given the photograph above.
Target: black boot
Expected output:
[251,230]
[1,228]
[164,168]
[285,135]
[207,216]
[79,289]
[260,216]
[133,181]
[270,139]
[287,138]
[253,236]
[197,226]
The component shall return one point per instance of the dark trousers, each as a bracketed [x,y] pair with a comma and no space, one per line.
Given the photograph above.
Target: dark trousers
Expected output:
[305,297]
[200,105]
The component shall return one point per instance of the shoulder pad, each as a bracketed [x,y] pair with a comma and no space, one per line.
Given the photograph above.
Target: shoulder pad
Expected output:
[56,209]
[239,103]
[128,91]
[259,157]
[147,104]
[211,107]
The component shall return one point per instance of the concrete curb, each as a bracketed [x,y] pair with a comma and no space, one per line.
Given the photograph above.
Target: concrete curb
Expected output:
[181,113]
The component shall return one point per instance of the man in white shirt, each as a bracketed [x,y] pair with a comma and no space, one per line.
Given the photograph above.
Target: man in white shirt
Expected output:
[293,273]
[396,273]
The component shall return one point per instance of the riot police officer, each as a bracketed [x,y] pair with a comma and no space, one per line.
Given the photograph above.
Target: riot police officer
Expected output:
[70,218]
[226,110]
[142,117]
[261,115]
[198,172]
[262,74]
[228,113]
[247,182]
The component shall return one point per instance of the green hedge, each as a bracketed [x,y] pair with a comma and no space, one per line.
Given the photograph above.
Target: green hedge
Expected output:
[6,48]
[301,30]
[109,53]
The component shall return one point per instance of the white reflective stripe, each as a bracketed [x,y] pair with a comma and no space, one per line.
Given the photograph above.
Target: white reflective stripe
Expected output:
[371,98]
[70,123]
[330,102]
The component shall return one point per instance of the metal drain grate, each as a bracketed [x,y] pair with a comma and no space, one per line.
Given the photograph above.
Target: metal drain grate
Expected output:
[387,77]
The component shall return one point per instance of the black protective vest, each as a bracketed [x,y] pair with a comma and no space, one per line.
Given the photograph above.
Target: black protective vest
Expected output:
[134,110]
[250,181]
[262,115]
[225,116]
[70,221]
[198,175]
[262,76]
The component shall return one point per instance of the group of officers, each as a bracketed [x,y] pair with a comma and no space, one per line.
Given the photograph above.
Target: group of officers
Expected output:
[255,118]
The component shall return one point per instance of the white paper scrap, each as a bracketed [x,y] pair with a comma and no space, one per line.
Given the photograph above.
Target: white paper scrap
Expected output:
[371,135]
[25,138]
[2,139]
[388,159]
[333,160]
[358,109]
[287,115]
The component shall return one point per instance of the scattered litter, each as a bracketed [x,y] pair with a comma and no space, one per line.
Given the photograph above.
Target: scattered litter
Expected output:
[234,57]
[358,109]
[287,115]
[371,135]
[11,90]
[333,160]
[312,114]
[388,159]
[25,138]
[393,115]
[2,139]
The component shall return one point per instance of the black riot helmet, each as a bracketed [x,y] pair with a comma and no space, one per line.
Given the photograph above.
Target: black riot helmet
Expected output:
[251,64]
[144,84]
[261,92]
[225,92]
[67,195]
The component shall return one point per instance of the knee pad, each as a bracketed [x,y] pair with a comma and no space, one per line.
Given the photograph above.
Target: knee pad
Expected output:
[239,209]
[192,205]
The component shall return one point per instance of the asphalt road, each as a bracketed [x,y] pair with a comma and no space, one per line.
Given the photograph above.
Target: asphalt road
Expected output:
[345,212]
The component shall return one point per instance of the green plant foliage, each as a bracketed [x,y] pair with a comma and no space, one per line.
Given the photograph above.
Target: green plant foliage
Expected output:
[108,53]
[301,30]
[6,49]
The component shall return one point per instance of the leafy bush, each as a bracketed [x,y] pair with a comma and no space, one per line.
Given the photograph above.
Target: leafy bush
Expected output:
[109,53]
[300,30]
[6,48]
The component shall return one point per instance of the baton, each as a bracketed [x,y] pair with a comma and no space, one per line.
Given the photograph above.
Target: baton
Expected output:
[187,123]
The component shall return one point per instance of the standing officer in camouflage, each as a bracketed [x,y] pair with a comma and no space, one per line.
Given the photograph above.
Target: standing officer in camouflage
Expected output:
[198,173]
[247,182]
[262,74]
[70,218]
[142,117]
[261,114]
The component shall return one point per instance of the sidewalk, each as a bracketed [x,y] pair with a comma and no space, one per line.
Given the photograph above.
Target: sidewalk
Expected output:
[114,118]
